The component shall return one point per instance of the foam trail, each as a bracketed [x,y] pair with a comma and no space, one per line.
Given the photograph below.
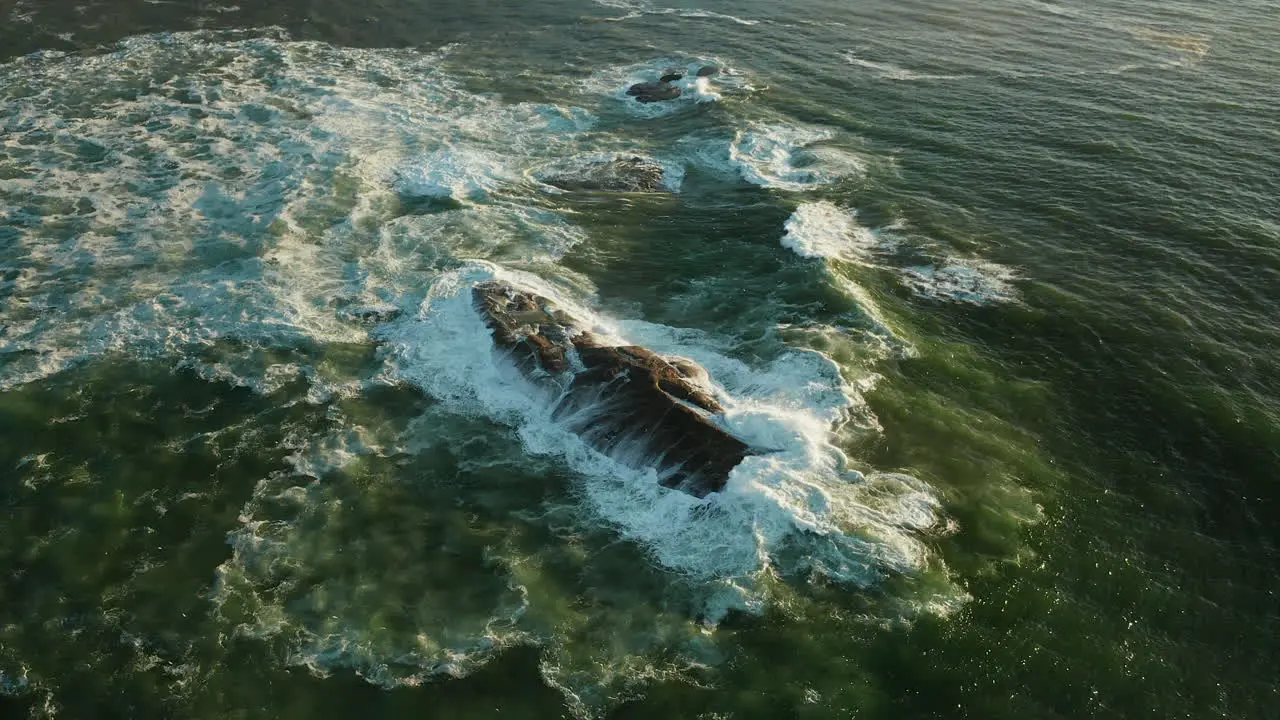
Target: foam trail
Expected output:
[889,71]
[975,282]
[717,16]
[287,577]
[775,155]
[641,9]
[826,231]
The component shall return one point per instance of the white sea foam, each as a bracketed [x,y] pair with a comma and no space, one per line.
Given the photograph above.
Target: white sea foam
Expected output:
[1054,8]
[824,230]
[776,155]
[703,91]
[456,174]
[976,282]
[709,14]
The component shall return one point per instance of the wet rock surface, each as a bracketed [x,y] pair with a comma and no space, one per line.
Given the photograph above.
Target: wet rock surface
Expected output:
[648,92]
[632,174]
[641,408]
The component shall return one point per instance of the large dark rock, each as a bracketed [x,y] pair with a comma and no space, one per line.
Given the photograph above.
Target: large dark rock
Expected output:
[648,92]
[641,408]
[633,174]
[374,315]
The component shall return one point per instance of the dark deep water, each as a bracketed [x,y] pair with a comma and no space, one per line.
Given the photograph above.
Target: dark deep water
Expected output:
[999,281]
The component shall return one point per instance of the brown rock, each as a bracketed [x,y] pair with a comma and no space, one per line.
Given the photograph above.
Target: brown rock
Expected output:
[522,326]
[551,357]
[639,407]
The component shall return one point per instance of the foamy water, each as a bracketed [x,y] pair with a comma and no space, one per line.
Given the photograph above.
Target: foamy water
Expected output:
[167,231]
[976,282]
[355,198]
[791,157]
[798,491]
[942,265]
[824,230]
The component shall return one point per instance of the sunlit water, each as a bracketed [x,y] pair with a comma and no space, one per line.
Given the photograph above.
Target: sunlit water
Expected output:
[991,288]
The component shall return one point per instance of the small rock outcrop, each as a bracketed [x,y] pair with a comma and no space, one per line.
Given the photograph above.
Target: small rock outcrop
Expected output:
[708,71]
[641,408]
[628,174]
[649,92]
[375,315]
[351,310]
[671,76]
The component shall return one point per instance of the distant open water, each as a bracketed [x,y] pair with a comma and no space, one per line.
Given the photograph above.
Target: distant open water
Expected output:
[996,284]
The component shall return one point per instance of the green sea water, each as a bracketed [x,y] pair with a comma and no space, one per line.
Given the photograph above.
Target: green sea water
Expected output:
[993,285]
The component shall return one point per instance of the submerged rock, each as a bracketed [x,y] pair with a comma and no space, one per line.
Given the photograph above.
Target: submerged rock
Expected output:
[648,92]
[632,174]
[373,316]
[708,71]
[365,314]
[641,408]
[671,77]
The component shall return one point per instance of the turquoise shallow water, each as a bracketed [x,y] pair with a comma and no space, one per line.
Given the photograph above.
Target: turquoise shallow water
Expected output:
[996,285]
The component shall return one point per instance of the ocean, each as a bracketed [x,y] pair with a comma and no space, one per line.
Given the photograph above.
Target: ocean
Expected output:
[990,289]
